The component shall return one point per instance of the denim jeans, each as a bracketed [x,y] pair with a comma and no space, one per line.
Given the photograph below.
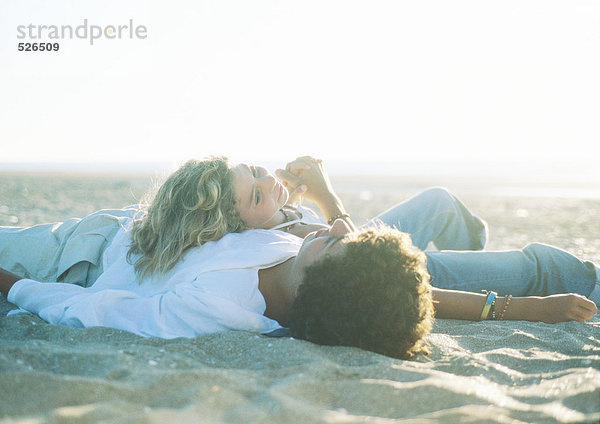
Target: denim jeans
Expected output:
[436,216]
[536,270]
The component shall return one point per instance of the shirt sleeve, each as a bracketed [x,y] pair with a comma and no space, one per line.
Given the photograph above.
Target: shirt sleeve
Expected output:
[187,311]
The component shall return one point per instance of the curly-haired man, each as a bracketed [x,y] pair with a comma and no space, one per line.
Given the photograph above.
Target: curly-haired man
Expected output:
[375,292]
[376,296]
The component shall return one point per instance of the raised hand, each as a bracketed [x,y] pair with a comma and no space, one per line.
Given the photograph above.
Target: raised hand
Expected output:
[308,174]
[295,192]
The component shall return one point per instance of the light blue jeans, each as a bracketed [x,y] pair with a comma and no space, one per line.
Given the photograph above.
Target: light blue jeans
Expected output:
[536,270]
[436,215]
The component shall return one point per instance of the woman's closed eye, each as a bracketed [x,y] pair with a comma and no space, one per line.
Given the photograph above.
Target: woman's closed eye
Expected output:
[257,195]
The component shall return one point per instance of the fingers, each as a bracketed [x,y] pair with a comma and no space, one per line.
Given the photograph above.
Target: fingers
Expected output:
[586,308]
[287,177]
[590,306]
[584,303]
[298,165]
[569,307]
[297,168]
[293,184]
[302,163]
[296,194]
[578,313]
[581,308]
[299,190]
[309,159]
[581,314]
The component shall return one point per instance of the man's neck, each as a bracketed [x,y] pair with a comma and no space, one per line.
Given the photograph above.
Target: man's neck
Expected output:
[278,286]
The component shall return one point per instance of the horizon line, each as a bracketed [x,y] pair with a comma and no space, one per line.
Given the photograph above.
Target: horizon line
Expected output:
[581,170]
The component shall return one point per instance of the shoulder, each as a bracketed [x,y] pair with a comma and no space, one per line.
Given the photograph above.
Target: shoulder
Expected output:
[252,246]
[250,238]
[248,249]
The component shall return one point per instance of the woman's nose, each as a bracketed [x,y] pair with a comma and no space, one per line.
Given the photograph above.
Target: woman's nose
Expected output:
[339,228]
[268,182]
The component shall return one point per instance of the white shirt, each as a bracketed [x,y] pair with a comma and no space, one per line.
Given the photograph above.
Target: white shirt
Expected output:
[213,288]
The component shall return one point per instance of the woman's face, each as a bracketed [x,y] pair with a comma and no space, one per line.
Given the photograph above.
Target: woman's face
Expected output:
[259,195]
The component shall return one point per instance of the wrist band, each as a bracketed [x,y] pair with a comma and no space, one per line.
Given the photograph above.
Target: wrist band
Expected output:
[337,216]
[489,301]
[507,300]
[285,215]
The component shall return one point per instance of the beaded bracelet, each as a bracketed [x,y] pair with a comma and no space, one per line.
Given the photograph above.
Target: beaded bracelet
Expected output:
[507,300]
[337,216]
[289,227]
[490,302]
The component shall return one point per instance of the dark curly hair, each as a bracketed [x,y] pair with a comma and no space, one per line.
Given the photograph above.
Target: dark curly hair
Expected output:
[375,295]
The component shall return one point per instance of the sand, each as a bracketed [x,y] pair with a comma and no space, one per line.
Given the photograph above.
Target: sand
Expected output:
[477,372]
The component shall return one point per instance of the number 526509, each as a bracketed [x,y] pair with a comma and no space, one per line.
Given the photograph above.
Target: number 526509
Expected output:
[38,47]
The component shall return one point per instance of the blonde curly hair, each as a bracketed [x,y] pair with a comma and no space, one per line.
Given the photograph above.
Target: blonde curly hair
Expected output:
[194,205]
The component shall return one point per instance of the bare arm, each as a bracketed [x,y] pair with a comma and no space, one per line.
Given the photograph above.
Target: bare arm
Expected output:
[7,280]
[309,172]
[551,309]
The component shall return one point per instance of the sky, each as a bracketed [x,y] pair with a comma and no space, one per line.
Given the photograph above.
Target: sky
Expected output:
[412,85]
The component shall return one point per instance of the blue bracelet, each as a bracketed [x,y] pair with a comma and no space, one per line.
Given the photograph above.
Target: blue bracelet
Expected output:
[489,301]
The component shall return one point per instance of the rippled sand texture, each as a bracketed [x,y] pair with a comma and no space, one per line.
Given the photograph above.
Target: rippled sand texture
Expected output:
[478,372]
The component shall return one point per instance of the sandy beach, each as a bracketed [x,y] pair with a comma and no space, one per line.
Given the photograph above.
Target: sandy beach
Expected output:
[505,372]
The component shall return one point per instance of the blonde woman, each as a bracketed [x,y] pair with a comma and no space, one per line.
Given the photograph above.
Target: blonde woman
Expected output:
[433,216]
[195,204]
[204,200]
